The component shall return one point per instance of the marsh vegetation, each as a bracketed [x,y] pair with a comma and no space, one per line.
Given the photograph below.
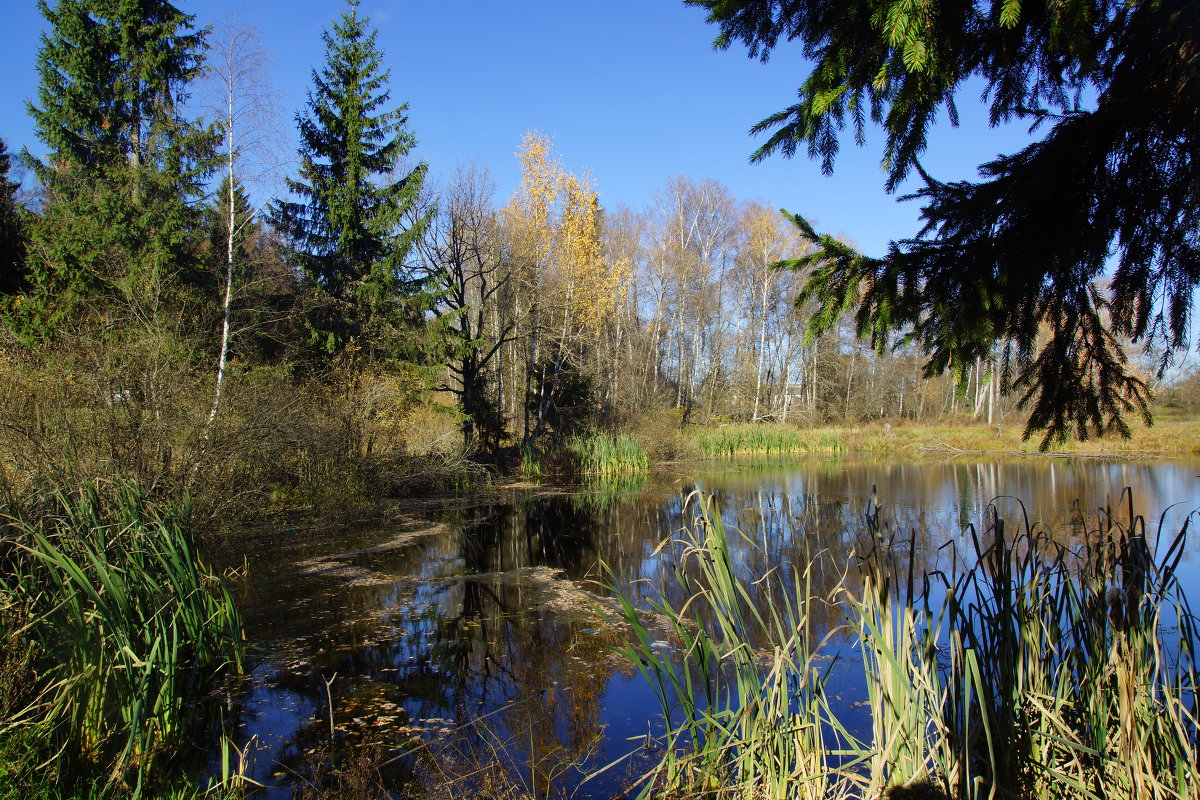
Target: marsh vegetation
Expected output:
[257,533]
[469,642]
[1030,669]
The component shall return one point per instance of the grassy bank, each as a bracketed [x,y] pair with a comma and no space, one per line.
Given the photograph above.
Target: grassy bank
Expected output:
[607,455]
[1170,436]
[1036,671]
[736,440]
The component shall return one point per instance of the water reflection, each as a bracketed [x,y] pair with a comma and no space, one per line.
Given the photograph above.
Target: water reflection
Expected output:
[473,629]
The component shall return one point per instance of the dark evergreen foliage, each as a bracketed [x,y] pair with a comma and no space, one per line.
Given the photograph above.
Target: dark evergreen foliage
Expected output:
[354,223]
[246,230]
[265,304]
[1020,257]
[12,238]
[123,162]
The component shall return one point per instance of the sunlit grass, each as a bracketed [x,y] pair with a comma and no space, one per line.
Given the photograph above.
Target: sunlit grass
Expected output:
[741,721]
[606,454]
[768,440]
[1167,436]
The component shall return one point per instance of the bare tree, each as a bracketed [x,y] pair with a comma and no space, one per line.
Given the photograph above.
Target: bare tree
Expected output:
[463,256]
[693,226]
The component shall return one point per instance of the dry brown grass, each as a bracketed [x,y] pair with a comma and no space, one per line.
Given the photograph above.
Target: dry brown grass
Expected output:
[1171,436]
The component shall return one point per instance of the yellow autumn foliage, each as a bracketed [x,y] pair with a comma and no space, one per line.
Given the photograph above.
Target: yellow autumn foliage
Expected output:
[555,218]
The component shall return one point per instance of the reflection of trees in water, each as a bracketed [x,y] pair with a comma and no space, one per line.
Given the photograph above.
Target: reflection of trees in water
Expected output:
[806,520]
[463,631]
[438,654]
[548,532]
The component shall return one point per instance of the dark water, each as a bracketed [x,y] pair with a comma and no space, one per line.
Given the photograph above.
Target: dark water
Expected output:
[474,629]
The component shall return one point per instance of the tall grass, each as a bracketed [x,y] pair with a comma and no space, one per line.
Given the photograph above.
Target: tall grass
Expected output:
[740,722]
[608,454]
[1030,669]
[750,439]
[1085,662]
[531,462]
[129,625]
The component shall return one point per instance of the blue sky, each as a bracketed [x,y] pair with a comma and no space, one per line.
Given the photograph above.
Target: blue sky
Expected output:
[630,90]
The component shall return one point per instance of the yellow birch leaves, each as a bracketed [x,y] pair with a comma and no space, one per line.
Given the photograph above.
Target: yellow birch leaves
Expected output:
[555,218]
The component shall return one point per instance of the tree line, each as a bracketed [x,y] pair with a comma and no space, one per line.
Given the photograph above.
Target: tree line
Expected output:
[147,261]
[1062,254]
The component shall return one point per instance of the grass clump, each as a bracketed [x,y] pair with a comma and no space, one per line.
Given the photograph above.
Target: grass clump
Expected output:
[768,440]
[739,722]
[607,454]
[531,462]
[1030,669]
[127,628]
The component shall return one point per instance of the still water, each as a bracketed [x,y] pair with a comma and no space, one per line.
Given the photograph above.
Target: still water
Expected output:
[473,632]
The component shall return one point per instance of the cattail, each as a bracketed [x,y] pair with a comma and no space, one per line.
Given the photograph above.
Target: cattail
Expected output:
[1115,598]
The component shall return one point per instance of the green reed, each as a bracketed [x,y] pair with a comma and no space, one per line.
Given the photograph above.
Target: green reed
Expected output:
[741,721]
[608,454]
[752,439]
[131,627]
[531,462]
[1029,669]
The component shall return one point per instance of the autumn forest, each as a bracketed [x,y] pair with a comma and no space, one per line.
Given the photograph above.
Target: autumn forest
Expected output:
[326,472]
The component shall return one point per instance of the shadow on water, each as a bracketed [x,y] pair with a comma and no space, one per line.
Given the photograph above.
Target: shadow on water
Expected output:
[479,634]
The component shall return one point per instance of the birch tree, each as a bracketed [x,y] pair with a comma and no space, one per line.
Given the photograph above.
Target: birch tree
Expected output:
[248,108]
[570,287]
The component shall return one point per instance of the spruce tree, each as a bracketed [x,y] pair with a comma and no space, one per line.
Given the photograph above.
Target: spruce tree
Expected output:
[1060,252]
[353,224]
[122,161]
[12,241]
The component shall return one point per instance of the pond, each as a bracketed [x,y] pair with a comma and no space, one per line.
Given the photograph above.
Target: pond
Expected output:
[471,635]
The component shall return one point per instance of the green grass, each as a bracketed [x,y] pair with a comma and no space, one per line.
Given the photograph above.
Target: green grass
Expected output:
[751,439]
[608,454]
[1036,671]
[28,771]
[531,462]
[128,624]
